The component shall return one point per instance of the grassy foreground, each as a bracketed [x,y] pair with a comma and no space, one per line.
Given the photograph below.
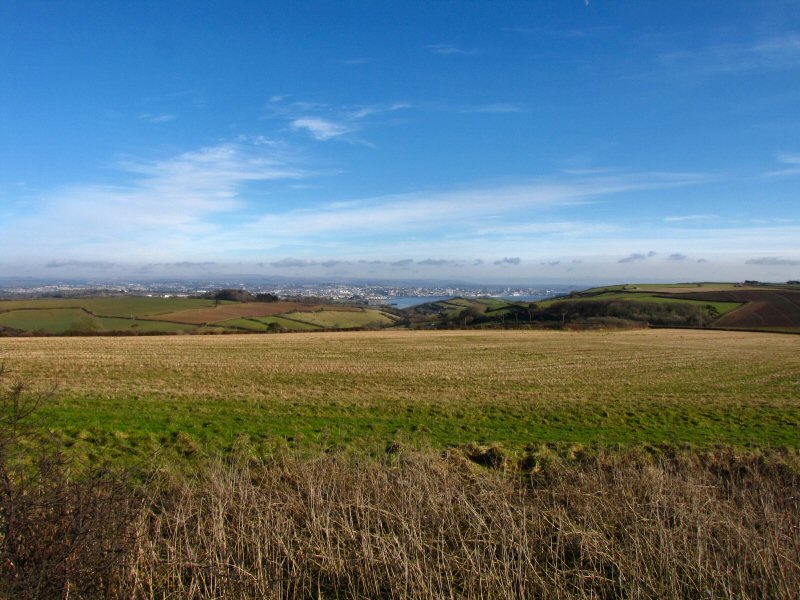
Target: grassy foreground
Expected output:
[185,398]
[316,522]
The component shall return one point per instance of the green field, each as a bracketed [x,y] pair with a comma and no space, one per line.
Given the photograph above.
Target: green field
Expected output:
[187,396]
[114,306]
[345,319]
[721,307]
[287,323]
[133,314]
[51,321]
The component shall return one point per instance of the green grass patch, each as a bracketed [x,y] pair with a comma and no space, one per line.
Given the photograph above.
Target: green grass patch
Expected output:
[115,306]
[343,319]
[288,323]
[49,320]
[721,307]
[248,324]
[135,397]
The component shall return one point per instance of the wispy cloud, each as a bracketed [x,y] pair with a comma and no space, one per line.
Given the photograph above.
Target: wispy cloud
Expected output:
[95,265]
[773,261]
[636,256]
[455,209]
[497,108]
[681,218]
[450,49]
[357,61]
[516,260]
[320,129]
[677,256]
[157,118]
[775,52]
[294,263]
[303,263]
[792,162]
[168,206]
[325,122]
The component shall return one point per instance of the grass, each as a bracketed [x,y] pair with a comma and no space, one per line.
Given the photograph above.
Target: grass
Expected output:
[289,324]
[343,319]
[678,288]
[433,527]
[597,513]
[627,524]
[49,320]
[721,307]
[57,321]
[116,306]
[188,396]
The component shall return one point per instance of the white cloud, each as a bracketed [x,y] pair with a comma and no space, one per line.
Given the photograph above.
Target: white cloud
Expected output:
[169,207]
[775,52]
[325,122]
[458,209]
[792,162]
[497,107]
[320,129]
[449,49]
[157,118]
[679,218]
[515,261]
[773,261]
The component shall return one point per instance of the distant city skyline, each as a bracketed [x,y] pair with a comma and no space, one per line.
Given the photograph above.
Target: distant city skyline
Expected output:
[477,142]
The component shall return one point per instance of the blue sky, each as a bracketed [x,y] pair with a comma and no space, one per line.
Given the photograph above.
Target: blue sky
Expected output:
[477,141]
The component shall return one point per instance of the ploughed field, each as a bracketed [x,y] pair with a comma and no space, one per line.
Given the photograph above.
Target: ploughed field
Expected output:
[187,397]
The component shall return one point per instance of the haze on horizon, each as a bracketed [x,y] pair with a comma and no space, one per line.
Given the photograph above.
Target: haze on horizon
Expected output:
[482,141]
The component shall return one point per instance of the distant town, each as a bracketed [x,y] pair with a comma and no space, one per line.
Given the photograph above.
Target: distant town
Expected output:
[363,292]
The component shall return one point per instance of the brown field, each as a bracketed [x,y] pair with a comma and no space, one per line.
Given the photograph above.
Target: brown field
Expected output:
[763,308]
[225,312]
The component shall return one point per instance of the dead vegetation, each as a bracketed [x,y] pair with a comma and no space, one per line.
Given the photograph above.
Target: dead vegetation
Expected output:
[715,525]
[466,523]
[424,526]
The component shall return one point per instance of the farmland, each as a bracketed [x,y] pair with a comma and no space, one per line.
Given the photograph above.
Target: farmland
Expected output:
[136,314]
[428,463]
[194,395]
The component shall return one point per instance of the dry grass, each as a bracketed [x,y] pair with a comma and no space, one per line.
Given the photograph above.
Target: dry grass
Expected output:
[368,388]
[715,526]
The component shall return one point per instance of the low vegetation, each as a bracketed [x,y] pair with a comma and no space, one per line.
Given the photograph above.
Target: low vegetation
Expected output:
[758,307]
[620,525]
[186,398]
[464,464]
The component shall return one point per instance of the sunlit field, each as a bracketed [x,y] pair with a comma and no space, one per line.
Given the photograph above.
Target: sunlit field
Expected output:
[192,396]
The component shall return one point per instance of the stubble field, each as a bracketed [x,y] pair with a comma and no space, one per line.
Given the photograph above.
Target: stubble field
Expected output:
[191,396]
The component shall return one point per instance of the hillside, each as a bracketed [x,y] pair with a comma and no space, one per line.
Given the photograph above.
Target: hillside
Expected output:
[703,305]
[141,315]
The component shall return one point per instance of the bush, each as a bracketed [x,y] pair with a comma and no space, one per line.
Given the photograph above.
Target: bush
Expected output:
[60,535]
[232,295]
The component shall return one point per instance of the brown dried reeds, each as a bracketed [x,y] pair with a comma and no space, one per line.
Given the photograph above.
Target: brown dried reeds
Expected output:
[619,525]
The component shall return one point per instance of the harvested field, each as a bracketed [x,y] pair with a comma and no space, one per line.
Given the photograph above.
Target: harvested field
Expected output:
[225,312]
[194,395]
